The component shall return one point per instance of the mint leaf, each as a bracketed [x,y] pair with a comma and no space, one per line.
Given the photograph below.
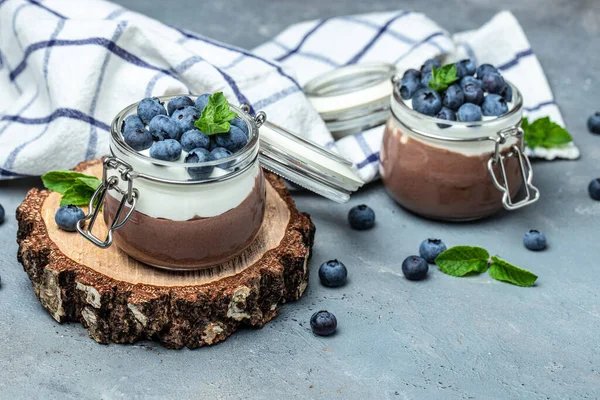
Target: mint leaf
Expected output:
[506,272]
[91,181]
[443,77]
[78,194]
[216,115]
[76,188]
[462,260]
[61,181]
[544,133]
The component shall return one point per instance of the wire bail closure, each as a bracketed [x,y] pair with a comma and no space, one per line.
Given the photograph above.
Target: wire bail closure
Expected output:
[130,197]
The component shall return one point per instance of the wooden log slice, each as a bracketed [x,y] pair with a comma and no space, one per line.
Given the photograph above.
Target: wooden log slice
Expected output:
[121,300]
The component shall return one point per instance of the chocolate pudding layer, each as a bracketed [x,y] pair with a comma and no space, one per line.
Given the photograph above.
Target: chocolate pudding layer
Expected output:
[194,244]
[441,184]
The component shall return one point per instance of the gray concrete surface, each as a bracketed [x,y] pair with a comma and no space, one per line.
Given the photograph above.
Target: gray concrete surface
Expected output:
[444,338]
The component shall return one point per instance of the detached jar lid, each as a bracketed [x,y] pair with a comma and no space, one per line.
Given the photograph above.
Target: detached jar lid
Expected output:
[353,98]
[304,162]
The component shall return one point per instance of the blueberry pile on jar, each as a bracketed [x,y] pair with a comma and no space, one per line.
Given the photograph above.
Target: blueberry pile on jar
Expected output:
[456,92]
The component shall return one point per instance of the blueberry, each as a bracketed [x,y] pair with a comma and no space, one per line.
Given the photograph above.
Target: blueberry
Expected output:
[429,64]
[185,117]
[323,323]
[66,217]
[194,139]
[425,78]
[138,138]
[199,155]
[473,94]
[507,93]
[237,122]
[166,150]
[494,105]
[415,268]
[361,217]
[470,80]
[408,86]
[178,102]
[132,121]
[202,101]
[2,214]
[427,101]
[149,108]
[333,273]
[448,115]
[162,127]
[412,72]
[430,249]
[219,153]
[594,189]
[594,123]
[233,140]
[534,240]
[493,83]
[485,69]
[465,68]
[469,112]
[453,97]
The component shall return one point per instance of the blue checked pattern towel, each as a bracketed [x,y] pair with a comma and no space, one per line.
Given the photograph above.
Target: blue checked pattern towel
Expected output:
[66,68]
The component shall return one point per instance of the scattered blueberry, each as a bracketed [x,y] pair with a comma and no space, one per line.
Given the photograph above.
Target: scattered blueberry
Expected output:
[412,72]
[494,105]
[361,217]
[470,80]
[199,155]
[233,140]
[323,323]
[485,69]
[2,214]
[202,101]
[594,123]
[465,68]
[162,127]
[453,97]
[507,93]
[132,121]
[178,102]
[219,153]
[149,108]
[469,113]
[473,94]
[429,64]
[138,138]
[493,83]
[415,268]
[427,101]
[238,122]
[185,117]
[448,115]
[425,78]
[194,139]
[66,217]
[408,86]
[594,189]
[534,240]
[166,150]
[430,249]
[333,273]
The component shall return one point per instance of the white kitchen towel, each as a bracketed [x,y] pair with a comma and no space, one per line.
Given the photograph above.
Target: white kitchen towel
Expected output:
[67,67]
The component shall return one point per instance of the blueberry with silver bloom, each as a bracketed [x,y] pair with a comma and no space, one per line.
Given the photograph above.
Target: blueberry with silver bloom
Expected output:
[149,108]
[333,273]
[138,138]
[485,69]
[465,68]
[194,139]
[534,240]
[66,217]
[412,72]
[166,150]
[408,86]
[594,189]
[361,217]
[415,268]
[425,78]
[429,64]
[162,127]
[453,97]
[507,93]
[448,115]
[2,214]
[178,102]
[132,121]
[202,101]
[469,113]
[470,80]
[430,249]
[473,94]
[493,83]
[494,105]
[593,123]
[199,155]
[234,140]
[427,101]
[185,117]
[219,153]
[237,122]
[323,323]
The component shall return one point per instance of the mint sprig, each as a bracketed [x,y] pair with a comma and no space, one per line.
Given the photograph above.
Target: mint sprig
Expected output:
[443,77]
[544,133]
[215,115]
[76,188]
[464,260]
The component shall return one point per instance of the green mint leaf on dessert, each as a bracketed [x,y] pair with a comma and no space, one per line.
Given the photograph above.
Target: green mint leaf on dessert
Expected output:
[61,181]
[216,115]
[443,77]
[544,133]
[506,272]
[91,181]
[76,188]
[462,260]
[78,194]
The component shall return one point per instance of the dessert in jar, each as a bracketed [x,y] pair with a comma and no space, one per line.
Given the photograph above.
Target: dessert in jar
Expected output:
[176,198]
[455,170]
